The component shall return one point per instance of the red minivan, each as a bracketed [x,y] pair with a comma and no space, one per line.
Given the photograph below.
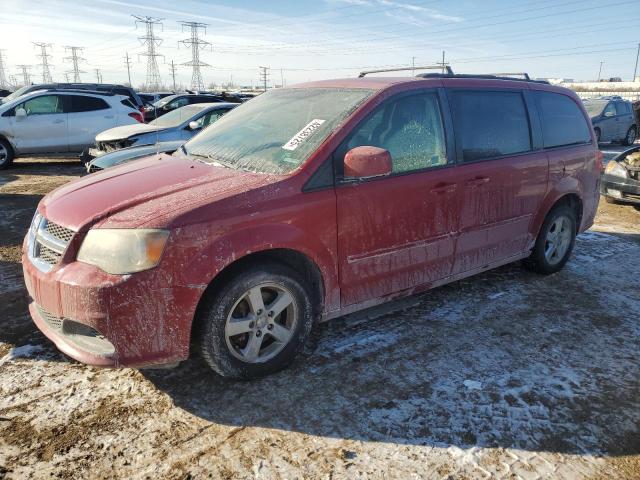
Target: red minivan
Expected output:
[304,204]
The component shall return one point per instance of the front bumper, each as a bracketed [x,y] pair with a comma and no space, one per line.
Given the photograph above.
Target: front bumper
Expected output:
[112,320]
[628,188]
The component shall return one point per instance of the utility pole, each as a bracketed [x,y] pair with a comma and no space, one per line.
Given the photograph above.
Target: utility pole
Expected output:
[66,77]
[3,77]
[75,61]
[196,45]
[173,75]
[281,79]
[127,62]
[264,75]
[26,76]
[151,41]
[635,69]
[600,71]
[98,75]
[443,64]
[44,58]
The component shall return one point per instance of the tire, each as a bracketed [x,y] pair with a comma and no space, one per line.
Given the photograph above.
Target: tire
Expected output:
[598,135]
[630,138]
[235,307]
[543,258]
[6,154]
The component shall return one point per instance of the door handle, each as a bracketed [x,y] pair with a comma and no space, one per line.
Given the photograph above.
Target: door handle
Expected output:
[442,188]
[476,182]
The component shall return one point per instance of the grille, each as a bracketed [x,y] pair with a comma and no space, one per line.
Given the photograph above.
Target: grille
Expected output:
[46,254]
[51,320]
[60,232]
[75,328]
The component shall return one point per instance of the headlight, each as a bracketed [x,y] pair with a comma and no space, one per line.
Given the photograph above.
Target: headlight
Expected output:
[120,251]
[615,169]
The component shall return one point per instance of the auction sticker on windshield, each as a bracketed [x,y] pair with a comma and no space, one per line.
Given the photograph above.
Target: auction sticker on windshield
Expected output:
[303,134]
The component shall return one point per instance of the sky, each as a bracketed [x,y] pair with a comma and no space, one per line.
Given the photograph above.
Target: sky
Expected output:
[315,39]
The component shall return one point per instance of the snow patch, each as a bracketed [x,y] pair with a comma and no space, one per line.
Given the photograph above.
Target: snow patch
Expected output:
[472,385]
[21,352]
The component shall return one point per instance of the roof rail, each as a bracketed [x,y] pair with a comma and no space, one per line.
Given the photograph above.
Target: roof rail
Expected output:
[479,76]
[524,75]
[79,90]
[446,68]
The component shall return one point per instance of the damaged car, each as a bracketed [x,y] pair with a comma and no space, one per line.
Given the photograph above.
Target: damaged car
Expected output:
[305,204]
[621,179]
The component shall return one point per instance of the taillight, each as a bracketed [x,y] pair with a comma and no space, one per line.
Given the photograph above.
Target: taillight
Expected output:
[138,116]
[599,157]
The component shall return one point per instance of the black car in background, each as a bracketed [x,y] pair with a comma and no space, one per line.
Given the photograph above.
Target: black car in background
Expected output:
[172,102]
[95,87]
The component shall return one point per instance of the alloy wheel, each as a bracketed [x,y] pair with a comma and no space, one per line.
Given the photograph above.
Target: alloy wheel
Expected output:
[261,323]
[558,240]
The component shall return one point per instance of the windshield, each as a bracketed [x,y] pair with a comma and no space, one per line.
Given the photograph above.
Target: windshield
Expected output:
[595,107]
[16,94]
[164,101]
[276,131]
[178,116]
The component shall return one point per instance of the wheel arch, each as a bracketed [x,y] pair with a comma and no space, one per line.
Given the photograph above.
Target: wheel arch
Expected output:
[571,198]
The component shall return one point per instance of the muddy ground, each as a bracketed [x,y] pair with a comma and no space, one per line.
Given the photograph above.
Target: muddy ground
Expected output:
[504,375]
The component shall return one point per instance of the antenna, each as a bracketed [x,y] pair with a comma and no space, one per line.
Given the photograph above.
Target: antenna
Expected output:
[75,61]
[44,58]
[196,45]
[153,81]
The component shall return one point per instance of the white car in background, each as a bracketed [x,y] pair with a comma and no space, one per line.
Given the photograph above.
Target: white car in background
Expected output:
[59,121]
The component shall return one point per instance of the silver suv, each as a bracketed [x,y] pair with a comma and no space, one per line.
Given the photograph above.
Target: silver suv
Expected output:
[60,121]
[613,119]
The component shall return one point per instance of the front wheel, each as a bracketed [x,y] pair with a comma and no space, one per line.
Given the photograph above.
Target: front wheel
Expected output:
[6,154]
[256,323]
[630,138]
[555,241]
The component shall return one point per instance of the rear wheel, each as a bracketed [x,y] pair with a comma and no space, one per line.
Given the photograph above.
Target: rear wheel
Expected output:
[256,323]
[555,241]
[630,138]
[6,154]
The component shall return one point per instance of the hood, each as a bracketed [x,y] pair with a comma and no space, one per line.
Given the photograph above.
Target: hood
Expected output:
[126,131]
[132,153]
[145,193]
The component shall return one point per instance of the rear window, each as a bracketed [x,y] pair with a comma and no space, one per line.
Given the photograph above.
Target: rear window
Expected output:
[490,124]
[562,120]
[81,103]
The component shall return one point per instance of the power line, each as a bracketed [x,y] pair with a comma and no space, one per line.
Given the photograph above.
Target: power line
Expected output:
[3,77]
[153,81]
[26,76]
[75,61]
[127,62]
[44,59]
[196,45]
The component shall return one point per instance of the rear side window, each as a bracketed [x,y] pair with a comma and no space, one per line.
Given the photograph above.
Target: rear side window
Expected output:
[86,104]
[562,120]
[490,124]
[621,108]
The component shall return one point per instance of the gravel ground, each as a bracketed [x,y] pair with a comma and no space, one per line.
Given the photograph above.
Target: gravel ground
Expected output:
[503,375]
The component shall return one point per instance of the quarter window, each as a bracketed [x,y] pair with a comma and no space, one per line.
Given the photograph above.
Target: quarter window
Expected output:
[409,127]
[80,103]
[44,105]
[490,124]
[563,123]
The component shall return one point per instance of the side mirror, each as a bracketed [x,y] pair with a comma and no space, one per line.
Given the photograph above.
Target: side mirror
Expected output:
[21,114]
[609,114]
[364,162]
[194,125]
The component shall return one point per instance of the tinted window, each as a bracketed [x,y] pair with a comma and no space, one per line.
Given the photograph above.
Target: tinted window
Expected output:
[178,102]
[562,120]
[42,105]
[410,128]
[490,124]
[86,104]
[621,108]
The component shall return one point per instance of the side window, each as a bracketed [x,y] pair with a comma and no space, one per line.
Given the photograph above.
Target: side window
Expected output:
[562,120]
[490,124]
[621,108]
[80,103]
[47,104]
[212,117]
[610,110]
[409,127]
[178,102]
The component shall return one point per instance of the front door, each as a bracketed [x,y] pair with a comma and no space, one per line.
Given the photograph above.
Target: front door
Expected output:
[502,180]
[44,129]
[609,125]
[398,232]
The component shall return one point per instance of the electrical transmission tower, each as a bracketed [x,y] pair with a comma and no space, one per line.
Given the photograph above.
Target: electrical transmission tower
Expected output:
[196,45]
[151,41]
[173,75]
[3,76]
[127,62]
[98,75]
[75,61]
[264,76]
[26,76]
[44,59]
